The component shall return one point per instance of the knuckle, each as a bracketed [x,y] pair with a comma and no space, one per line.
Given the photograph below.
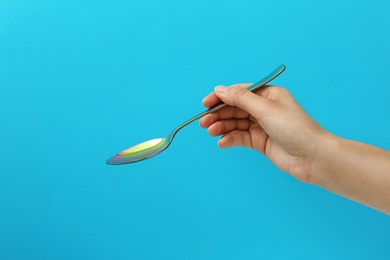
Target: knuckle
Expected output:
[282,91]
[278,93]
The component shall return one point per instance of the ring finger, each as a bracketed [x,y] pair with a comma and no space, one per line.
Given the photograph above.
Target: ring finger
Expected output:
[225,126]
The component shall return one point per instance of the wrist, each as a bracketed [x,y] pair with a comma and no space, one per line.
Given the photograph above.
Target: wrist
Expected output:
[323,162]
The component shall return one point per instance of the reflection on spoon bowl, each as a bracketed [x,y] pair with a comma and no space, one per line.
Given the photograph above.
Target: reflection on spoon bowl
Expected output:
[140,151]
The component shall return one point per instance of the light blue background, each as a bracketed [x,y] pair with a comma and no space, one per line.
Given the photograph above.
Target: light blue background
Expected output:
[82,80]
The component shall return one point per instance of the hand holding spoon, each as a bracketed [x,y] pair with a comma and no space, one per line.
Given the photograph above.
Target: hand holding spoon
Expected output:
[153,147]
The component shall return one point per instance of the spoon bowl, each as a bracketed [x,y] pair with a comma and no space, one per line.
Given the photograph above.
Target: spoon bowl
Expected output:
[153,147]
[141,151]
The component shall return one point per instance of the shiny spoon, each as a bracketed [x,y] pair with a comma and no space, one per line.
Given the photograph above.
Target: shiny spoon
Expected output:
[153,147]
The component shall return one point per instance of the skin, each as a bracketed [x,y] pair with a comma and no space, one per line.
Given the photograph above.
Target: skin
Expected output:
[271,122]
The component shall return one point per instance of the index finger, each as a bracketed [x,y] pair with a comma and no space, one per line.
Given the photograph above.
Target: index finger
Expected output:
[211,99]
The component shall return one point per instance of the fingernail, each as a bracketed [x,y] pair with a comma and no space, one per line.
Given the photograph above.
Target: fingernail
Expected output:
[220,89]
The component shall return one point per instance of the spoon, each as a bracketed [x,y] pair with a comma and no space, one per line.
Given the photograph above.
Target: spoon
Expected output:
[153,147]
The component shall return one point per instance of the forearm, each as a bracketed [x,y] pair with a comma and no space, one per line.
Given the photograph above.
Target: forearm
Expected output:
[354,170]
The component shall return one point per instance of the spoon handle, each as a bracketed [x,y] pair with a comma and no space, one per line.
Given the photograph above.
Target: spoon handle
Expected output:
[220,105]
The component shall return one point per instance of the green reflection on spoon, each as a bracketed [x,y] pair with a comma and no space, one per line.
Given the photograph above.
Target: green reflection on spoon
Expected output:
[142,147]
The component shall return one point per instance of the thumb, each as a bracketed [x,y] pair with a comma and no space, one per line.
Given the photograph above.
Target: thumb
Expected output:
[239,96]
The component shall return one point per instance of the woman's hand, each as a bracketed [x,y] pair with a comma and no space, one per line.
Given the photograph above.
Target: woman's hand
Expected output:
[269,121]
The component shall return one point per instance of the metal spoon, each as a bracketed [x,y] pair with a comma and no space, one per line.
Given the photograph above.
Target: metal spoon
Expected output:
[153,147]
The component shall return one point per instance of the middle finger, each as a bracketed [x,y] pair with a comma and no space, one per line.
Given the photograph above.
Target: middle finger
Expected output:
[227,112]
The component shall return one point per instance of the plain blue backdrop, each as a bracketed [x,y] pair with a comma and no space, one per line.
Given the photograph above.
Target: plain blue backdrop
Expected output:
[82,80]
